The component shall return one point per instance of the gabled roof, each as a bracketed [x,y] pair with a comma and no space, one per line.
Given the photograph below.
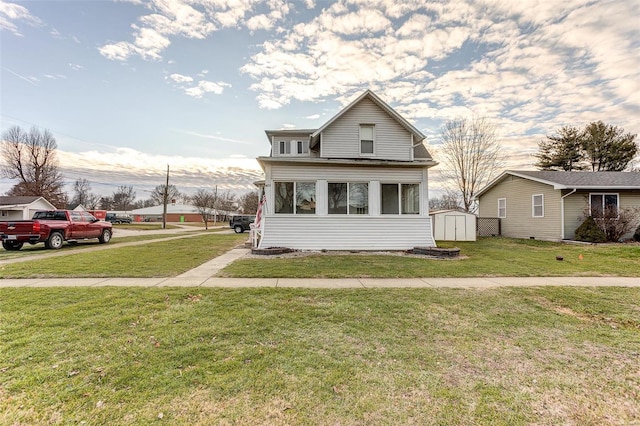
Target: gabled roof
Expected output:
[19,200]
[418,136]
[574,180]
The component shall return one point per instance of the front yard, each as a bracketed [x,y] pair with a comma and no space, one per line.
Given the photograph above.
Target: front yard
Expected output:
[487,257]
[136,356]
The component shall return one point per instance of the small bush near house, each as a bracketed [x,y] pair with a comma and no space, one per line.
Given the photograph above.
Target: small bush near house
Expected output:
[590,231]
[636,236]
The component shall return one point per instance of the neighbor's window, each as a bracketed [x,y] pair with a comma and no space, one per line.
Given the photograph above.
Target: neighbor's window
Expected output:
[502,207]
[348,198]
[285,147]
[400,198]
[367,138]
[303,147]
[305,197]
[601,204]
[537,202]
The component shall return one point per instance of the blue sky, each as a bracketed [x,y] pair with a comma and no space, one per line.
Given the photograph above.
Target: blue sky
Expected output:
[130,86]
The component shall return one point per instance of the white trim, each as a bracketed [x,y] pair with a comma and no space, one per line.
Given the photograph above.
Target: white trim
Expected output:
[533,205]
[505,208]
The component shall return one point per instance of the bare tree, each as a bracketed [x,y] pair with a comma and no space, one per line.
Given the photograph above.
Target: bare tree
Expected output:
[204,201]
[123,198]
[30,158]
[157,195]
[225,202]
[83,195]
[471,155]
[447,201]
[249,202]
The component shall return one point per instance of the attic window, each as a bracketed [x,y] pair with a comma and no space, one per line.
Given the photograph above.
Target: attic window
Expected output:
[285,147]
[367,139]
[303,147]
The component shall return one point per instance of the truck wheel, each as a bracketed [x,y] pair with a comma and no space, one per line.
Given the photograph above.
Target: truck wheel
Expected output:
[12,245]
[105,237]
[55,241]
[238,229]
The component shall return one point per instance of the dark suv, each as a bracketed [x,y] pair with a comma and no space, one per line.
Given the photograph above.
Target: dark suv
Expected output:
[114,218]
[241,223]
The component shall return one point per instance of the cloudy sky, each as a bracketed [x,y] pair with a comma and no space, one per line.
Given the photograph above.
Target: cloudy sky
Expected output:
[129,86]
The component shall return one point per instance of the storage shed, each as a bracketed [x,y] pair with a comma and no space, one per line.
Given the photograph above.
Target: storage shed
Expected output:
[453,225]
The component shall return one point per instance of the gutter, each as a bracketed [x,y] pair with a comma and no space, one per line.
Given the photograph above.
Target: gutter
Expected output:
[562,211]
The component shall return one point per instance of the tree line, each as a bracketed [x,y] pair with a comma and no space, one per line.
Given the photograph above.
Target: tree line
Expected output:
[30,159]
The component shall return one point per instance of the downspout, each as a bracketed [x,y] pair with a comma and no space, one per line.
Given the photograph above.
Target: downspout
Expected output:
[562,212]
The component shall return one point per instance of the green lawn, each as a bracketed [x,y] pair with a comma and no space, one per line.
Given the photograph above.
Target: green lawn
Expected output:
[485,257]
[137,356]
[155,259]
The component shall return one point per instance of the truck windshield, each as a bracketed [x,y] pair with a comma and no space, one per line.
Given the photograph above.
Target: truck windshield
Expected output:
[50,215]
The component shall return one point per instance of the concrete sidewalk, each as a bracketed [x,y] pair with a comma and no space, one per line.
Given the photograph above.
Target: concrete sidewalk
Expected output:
[364,283]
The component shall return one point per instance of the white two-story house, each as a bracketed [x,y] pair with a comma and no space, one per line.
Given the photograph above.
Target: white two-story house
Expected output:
[359,182]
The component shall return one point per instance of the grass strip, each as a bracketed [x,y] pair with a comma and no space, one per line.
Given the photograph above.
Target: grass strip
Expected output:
[155,259]
[487,257]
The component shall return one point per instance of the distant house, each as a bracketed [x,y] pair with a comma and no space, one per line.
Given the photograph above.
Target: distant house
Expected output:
[359,182]
[22,208]
[550,205]
[175,213]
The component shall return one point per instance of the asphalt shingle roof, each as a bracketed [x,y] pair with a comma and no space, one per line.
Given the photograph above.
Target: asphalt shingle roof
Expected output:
[585,179]
[10,201]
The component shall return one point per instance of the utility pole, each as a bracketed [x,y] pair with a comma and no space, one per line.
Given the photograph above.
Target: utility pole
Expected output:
[165,197]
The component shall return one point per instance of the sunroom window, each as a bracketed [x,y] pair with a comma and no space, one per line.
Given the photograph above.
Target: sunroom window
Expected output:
[305,197]
[348,198]
[400,198]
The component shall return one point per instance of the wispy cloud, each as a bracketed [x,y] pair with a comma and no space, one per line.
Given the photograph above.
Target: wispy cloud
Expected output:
[125,166]
[11,14]
[193,19]
[209,136]
[28,79]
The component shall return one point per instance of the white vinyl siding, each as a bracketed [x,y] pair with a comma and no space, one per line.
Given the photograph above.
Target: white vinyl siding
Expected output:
[342,138]
[355,232]
[502,208]
[537,205]
[296,145]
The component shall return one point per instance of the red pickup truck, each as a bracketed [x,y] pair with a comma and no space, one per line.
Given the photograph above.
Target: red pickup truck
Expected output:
[53,228]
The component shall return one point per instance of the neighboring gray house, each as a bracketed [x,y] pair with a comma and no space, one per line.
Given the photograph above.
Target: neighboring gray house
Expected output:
[23,207]
[550,205]
[359,182]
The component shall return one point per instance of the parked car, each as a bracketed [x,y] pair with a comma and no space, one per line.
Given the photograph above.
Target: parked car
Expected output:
[53,228]
[241,223]
[116,218]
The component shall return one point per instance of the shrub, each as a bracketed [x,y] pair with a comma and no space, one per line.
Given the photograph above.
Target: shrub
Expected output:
[636,236]
[590,231]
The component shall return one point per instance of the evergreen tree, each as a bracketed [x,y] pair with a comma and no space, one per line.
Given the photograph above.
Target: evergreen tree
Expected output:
[561,151]
[608,148]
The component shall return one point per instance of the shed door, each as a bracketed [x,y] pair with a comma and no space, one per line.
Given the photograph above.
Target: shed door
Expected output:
[455,228]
